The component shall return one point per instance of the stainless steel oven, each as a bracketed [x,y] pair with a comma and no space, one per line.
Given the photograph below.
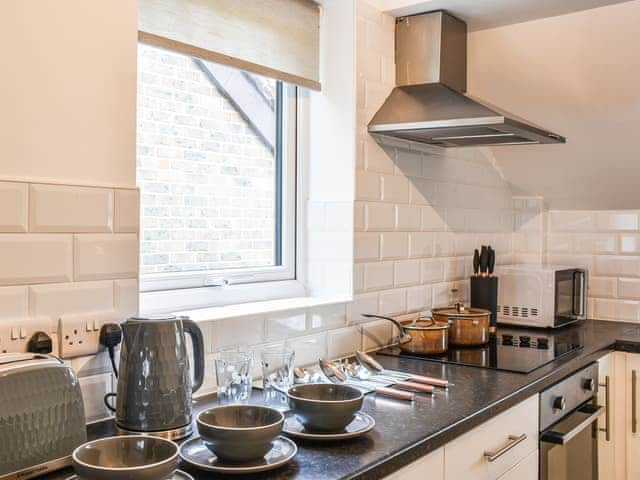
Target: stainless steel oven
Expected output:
[569,432]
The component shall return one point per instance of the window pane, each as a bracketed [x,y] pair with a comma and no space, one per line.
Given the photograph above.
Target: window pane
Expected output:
[207,162]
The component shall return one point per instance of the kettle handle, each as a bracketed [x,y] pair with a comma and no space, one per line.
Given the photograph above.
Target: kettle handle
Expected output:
[191,327]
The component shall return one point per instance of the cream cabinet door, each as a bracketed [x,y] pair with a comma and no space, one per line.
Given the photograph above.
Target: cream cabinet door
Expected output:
[612,425]
[632,387]
[527,469]
[429,467]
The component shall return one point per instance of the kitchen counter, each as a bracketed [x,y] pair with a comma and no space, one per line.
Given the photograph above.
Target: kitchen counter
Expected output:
[405,432]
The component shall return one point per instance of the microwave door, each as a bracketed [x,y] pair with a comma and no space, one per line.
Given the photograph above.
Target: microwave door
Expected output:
[579,294]
[570,288]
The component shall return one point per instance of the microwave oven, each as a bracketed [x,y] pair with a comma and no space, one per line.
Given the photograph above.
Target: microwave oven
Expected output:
[546,296]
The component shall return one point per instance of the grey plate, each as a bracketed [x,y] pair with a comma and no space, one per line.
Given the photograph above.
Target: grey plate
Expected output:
[195,453]
[360,425]
[177,475]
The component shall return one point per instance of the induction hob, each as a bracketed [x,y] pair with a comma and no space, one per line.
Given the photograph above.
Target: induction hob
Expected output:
[510,349]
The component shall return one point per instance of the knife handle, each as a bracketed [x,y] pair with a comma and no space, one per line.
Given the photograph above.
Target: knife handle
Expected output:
[476,261]
[390,392]
[438,382]
[484,259]
[417,387]
[492,260]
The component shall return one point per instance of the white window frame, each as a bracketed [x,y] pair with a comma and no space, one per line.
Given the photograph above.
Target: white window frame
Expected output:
[182,290]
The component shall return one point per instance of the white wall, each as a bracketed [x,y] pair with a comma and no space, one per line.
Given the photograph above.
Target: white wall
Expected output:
[577,75]
[68,91]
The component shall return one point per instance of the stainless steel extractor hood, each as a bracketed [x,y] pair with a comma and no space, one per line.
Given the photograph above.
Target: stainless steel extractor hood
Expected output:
[429,104]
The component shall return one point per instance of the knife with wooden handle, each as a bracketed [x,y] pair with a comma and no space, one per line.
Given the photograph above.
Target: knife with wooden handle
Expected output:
[476,262]
[399,394]
[416,387]
[484,260]
[437,382]
[492,260]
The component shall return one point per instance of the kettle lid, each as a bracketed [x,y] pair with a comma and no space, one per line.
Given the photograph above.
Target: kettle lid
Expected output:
[153,318]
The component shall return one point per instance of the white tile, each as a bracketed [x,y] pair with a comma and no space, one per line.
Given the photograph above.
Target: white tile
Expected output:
[103,256]
[93,390]
[629,244]
[408,217]
[395,188]
[285,325]
[602,287]
[358,217]
[432,271]
[326,317]
[409,164]
[15,302]
[380,216]
[421,244]
[126,297]
[595,243]
[37,258]
[57,208]
[571,221]
[559,243]
[609,265]
[418,298]
[376,158]
[625,310]
[367,186]
[454,268]
[343,342]
[586,261]
[310,348]
[421,191]
[628,288]
[617,220]
[406,273]
[127,211]
[393,302]
[376,335]
[378,276]
[70,298]
[14,210]
[441,294]
[234,332]
[527,242]
[358,278]
[444,245]
[394,245]
[366,246]
[363,303]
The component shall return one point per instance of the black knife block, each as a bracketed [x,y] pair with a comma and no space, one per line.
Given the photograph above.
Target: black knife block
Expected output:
[484,294]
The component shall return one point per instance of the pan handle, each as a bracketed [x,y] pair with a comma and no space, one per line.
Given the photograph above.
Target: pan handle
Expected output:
[403,332]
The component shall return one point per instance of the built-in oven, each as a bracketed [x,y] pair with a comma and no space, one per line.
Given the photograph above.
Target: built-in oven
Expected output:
[568,429]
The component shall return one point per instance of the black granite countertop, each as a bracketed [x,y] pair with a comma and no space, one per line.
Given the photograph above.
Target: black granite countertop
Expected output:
[405,432]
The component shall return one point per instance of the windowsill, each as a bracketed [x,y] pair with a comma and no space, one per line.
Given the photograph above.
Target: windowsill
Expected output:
[261,308]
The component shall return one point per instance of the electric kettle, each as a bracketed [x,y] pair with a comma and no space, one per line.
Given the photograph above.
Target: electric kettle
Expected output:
[154,382]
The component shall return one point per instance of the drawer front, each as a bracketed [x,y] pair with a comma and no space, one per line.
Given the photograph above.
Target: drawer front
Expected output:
[527,469]
[430,466]
[465,457]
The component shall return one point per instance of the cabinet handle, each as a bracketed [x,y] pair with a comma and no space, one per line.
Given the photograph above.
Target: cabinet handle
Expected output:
[634,397]
[513,441]
[607,411]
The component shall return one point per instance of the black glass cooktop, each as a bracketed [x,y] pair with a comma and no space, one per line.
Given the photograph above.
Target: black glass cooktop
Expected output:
[510,349]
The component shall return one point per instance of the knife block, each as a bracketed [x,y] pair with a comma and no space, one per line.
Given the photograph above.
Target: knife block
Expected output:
[484,294]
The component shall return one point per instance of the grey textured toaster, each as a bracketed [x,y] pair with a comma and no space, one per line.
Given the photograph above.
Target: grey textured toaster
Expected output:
[41,415]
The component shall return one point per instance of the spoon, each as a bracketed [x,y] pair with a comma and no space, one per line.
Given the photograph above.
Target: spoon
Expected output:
[335,375]
[370,363]
[361,373]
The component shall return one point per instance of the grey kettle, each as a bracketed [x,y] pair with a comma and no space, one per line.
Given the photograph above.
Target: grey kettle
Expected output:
[154,382]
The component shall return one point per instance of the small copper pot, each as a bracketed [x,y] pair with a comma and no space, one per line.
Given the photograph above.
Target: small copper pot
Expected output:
[468,326]
[422,337]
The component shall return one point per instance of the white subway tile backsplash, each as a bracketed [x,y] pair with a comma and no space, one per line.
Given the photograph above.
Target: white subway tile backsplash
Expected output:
[559,243]
[629,244]
[628,288]
[126,297]
[358,278]
[407,272]
[366,246]
[409,164]
[363,303]
[393,302]
[237,332]
[15,302]
[326,317]
[444,244]
[358,217]
[421,191]
[279,326]
[625,310]
[595,243]
[70,298]
[367,186]
[617,220]
[380,216]
[343,342]
[455,268]
[418,298]
[394,245]
[377,158]
[102,256]
[14,213]
[35,258]
[602,287]
[571,221]
[378,276]
[432,271]
[395,188]
[376,335]
[127,211]
[421,244]
[613,266]
[309,348]
[408,217]
[67,209]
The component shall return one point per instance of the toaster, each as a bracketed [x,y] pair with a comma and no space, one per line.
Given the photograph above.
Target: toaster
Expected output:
[41,415]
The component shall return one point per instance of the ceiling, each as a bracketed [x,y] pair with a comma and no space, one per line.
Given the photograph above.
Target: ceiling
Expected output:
[484,14]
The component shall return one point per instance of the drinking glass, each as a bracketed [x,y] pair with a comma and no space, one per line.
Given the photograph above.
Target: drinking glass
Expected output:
[233,374]
[277,368]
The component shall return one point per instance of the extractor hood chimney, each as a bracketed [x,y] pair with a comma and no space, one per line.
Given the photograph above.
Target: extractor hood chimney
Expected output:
[429,105]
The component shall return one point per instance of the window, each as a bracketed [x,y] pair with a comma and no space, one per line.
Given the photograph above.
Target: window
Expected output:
[216,170]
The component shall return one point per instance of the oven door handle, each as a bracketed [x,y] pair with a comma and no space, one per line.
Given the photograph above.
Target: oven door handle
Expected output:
[562,438]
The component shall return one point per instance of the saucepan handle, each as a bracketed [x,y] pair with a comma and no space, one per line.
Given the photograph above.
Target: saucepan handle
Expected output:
[190,327]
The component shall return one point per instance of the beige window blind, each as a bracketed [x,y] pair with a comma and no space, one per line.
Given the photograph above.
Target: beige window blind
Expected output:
[277,38]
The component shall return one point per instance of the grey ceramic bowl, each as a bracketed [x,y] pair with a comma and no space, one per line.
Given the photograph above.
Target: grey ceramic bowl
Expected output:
[325,407]
[127,457]
[239,433]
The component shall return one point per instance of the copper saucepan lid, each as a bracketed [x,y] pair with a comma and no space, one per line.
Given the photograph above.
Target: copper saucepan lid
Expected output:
[424,324]
[460,311]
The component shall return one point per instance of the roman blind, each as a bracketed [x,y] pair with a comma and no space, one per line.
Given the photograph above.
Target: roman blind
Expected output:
[277,38]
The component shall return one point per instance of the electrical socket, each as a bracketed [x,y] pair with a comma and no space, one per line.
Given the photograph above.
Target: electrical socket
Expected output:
[79,335]
[15,334]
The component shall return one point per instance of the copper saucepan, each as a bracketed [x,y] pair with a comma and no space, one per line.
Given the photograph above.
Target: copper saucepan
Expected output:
[422,337]
[468,326]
